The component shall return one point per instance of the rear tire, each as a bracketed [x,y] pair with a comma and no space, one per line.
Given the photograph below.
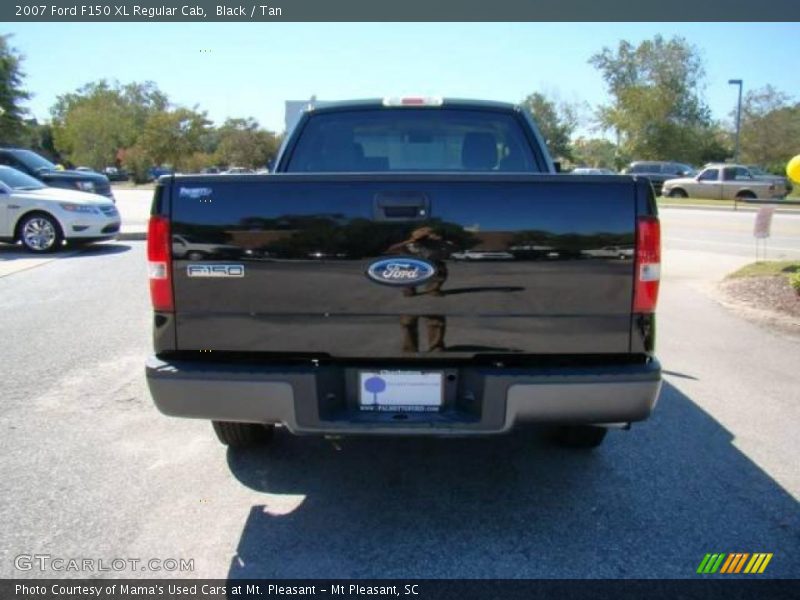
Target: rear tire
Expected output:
[744,196]
[243,435]
[678,193]
[580,436]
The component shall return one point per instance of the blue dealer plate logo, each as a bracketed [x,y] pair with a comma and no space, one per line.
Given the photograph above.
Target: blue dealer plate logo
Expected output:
[401,271]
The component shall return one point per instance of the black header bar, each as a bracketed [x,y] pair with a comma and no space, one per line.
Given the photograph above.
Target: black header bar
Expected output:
[400,10]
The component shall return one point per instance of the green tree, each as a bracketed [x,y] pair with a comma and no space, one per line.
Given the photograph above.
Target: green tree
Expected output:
[770,132]
[172,137]
[93,124]
[714,144]
[657,110]
[243,143]
[597,152]
[137,162]
[198,161]
[39,138]
[556,121]
[12,95]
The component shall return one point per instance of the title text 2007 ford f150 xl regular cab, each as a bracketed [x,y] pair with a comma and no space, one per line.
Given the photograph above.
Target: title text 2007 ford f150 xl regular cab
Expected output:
[333,306]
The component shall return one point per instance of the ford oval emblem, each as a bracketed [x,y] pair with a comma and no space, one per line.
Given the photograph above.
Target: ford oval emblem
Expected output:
[401,271]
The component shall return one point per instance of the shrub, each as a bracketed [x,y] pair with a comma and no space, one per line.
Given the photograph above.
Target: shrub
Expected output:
[794,280]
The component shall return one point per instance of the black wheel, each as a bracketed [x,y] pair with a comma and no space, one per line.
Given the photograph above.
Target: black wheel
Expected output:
[678,193]
[39,233]
[743,196]
[243,435]
[195,255]
[580,436]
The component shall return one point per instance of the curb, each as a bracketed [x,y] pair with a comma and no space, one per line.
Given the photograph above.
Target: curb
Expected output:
[131,236]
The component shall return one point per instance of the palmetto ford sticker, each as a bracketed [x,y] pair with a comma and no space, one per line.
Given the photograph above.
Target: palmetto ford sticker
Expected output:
[195,193]
[401,271]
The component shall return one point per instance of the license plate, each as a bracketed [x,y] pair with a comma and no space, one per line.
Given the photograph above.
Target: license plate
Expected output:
[409,391]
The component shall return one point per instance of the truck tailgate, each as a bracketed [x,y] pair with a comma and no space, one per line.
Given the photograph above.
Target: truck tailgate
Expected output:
[521,264]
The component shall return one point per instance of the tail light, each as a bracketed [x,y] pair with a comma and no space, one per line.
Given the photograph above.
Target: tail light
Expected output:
[648,264]
[159,264]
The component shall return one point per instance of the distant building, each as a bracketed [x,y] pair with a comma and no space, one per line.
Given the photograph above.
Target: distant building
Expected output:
[295,108]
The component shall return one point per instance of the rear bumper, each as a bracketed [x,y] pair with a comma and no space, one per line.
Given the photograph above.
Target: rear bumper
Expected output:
[310,400]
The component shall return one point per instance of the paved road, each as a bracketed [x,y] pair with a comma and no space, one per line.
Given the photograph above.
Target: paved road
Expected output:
[729,232]
[134,207]
[90,469]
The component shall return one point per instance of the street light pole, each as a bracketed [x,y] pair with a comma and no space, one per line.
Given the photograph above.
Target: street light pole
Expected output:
[738,117]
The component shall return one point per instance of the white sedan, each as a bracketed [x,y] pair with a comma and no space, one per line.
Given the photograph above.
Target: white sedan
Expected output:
[42,218]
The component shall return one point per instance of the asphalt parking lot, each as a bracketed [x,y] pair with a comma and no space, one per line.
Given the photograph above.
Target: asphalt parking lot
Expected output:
[92,470]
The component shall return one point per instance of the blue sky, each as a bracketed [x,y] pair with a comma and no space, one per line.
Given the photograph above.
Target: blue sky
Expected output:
[249,69]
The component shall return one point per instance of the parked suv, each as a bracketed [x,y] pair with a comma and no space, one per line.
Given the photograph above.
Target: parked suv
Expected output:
[659,171]
[49,174]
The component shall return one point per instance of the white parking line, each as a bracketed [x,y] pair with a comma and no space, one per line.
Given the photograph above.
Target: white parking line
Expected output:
[795,214]
[737,244]
[16,261]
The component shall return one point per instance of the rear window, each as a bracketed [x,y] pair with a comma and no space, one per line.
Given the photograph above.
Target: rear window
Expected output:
[412,140]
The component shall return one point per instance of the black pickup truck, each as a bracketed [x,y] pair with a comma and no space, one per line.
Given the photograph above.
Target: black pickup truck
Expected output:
[413,267]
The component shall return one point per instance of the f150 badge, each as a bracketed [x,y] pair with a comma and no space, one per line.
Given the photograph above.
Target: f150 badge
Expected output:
[401,271]
[215,270]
